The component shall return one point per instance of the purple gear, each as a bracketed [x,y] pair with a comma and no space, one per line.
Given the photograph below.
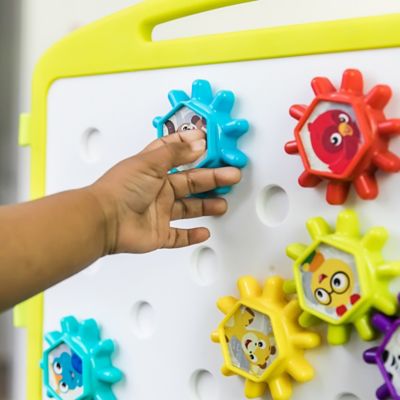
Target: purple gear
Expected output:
[387,356]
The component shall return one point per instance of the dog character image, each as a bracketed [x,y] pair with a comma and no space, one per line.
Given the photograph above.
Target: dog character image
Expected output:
[256,346]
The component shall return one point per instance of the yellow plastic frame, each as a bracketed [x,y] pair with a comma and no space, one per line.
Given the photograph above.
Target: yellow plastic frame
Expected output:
[122,43]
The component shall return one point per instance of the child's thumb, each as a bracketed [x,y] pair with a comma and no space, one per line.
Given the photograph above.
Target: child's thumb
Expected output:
[172,155]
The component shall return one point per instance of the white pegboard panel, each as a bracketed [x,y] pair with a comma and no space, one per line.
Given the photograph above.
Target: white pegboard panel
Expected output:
[160,307]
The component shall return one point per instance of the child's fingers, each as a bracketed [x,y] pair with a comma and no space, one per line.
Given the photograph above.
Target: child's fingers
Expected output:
[186,237]
[170,155]
[194,208]
[203,180]
[179,137]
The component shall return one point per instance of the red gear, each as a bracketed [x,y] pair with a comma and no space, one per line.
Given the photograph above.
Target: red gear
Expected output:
[355,165]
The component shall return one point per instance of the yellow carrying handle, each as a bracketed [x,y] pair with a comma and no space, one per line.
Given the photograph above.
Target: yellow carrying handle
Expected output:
[157,12]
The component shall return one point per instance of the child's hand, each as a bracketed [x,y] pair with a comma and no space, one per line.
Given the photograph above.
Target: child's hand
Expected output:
[140,199]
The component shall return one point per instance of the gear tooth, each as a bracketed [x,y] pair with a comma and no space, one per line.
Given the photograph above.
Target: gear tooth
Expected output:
[370,355]
[202,91]
[215,337]
[364,328]
[379,96]
[234,157]
[375,239]
[295,250]
[292,309]
[254,390]
[249,287]
[281,387]
[157,121]
[297,111]
[300,369]
[273,290]
[110,375]
[383,392]
[338,334]
[318,227]
[53,337]
[90,330]
[348,224]
[177,97]
[70,325]
[236,127]
[385,303]
[226,304]
[382,322]
[307,320]
[226,371]
[289,287]
[223,102]
[337,192]
[352,82]
[104,348]
[322,85]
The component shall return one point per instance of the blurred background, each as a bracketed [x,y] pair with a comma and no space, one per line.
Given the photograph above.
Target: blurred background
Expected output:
[29,27]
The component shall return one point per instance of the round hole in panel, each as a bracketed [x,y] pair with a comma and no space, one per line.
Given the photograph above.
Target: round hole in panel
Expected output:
[272,205]
[143,319]
[91,145]
[205,266]
[203,385]
[347,396]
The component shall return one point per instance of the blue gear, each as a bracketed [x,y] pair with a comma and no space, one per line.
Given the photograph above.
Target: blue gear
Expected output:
[88,366]
[222,130]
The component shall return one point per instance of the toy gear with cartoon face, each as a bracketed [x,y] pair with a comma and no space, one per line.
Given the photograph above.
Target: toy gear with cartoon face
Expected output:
[387,356]
[211,114]
[77,365]
[343,136]
[261,339]
[341,276]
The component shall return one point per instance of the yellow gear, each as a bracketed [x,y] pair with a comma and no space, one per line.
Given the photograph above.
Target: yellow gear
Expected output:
[341,276]
[263,323]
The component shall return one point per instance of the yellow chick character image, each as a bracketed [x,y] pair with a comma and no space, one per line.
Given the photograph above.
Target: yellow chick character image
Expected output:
[333,280]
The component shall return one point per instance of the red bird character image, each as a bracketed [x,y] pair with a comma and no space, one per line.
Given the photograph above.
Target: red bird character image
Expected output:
[335,139]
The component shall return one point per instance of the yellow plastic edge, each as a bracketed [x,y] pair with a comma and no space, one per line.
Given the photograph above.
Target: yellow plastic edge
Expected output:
[122,43]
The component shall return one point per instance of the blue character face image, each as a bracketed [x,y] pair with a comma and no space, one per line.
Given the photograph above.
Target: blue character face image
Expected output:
[66,373]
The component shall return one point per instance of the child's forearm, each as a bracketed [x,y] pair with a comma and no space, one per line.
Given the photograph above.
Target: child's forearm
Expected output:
[45,241]
[128,210]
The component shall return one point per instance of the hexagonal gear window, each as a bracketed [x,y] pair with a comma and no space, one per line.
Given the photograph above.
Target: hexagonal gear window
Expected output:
[251,341]
[330,281]
[331,137]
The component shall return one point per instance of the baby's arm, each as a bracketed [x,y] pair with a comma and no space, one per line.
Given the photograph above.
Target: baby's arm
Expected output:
[128,210]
